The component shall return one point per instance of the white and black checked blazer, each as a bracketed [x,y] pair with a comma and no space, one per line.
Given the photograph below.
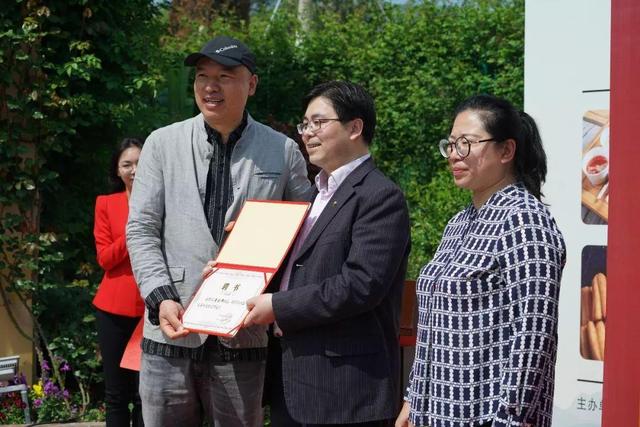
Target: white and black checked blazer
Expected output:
[488,311]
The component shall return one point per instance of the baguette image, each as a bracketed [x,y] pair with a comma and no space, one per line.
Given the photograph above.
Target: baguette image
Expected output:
[586,305]
[602,287]
[594,344]
[597,301]
[600,333]
[593,316]
[585,349]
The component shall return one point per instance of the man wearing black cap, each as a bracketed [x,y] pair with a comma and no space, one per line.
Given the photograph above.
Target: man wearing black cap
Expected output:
[192,179]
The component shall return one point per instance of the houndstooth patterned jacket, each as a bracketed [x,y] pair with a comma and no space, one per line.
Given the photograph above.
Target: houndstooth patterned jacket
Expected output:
[488,311]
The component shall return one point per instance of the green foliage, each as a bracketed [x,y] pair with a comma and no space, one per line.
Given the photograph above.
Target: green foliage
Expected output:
[418,60]
[95,414]
[11,408]
[49,400]
[51,405]
[75,75]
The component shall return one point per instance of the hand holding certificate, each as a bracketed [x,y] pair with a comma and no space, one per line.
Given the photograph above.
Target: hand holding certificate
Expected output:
[221,302]
[252,253]
[261,311]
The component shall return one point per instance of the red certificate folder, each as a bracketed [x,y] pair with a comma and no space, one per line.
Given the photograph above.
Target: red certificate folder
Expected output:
[133,351]
[254,250]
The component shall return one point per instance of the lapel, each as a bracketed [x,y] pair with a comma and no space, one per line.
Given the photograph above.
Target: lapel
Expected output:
[344,193]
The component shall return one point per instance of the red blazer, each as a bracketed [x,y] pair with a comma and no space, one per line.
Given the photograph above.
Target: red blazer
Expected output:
[118,292]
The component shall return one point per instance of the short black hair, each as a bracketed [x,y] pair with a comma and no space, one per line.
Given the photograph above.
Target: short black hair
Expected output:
[117,185]
[503,121]
[350,100]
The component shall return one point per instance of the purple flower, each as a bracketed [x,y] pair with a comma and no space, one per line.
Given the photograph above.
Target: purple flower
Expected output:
[50,388]
[18,379]
[45,366]
[65,367]
[65,393]
[37,403]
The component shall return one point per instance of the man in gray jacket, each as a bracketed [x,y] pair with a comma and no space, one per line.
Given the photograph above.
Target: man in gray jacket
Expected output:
[192,179]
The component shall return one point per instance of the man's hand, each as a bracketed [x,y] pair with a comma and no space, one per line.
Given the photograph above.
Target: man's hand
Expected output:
[403,417]
[206,271]
[260,311]
[169,315]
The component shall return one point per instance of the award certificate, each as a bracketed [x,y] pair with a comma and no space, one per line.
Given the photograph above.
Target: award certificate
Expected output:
[252,253]
[221,302]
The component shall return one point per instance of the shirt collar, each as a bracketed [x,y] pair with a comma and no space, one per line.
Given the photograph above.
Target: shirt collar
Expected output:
[330,183]
[214,136]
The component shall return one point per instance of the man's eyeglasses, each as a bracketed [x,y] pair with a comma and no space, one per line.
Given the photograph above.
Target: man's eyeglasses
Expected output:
[462,144]
[313,126]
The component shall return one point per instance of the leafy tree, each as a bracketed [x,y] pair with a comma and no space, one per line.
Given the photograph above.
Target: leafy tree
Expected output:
[418,60]
[183,13]
[75,75]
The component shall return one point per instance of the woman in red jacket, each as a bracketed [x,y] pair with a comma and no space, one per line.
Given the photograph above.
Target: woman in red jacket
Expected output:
[118,303]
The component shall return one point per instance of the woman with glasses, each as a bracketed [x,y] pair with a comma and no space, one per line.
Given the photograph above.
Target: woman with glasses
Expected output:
[118,304]
[488,300]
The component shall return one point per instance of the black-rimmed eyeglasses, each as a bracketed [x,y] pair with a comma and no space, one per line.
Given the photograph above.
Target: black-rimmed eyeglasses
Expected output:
[462,144]
[313,126]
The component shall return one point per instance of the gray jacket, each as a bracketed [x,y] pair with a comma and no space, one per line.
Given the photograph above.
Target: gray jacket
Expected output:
[168,238]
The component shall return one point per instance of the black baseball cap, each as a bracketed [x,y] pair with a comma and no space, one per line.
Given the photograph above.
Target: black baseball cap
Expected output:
[226,51]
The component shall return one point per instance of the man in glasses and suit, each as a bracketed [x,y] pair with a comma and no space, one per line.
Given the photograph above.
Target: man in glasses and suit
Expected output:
[334,358]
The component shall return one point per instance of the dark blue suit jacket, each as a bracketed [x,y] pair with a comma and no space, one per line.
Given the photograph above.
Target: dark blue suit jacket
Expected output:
[340,315]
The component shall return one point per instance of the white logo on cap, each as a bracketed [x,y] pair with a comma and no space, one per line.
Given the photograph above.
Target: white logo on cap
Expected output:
[222,49]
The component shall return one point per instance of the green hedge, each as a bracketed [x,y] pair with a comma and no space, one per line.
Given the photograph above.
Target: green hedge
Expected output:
[418,60]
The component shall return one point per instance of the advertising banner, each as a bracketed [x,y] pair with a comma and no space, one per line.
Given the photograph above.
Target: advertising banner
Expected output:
[567,82]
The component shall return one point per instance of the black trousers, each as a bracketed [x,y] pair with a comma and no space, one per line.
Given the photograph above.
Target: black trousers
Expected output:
[120,385]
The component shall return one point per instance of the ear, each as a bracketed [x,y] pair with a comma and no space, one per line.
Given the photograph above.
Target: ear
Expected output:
[508,150]
[253,84]
[355,129]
